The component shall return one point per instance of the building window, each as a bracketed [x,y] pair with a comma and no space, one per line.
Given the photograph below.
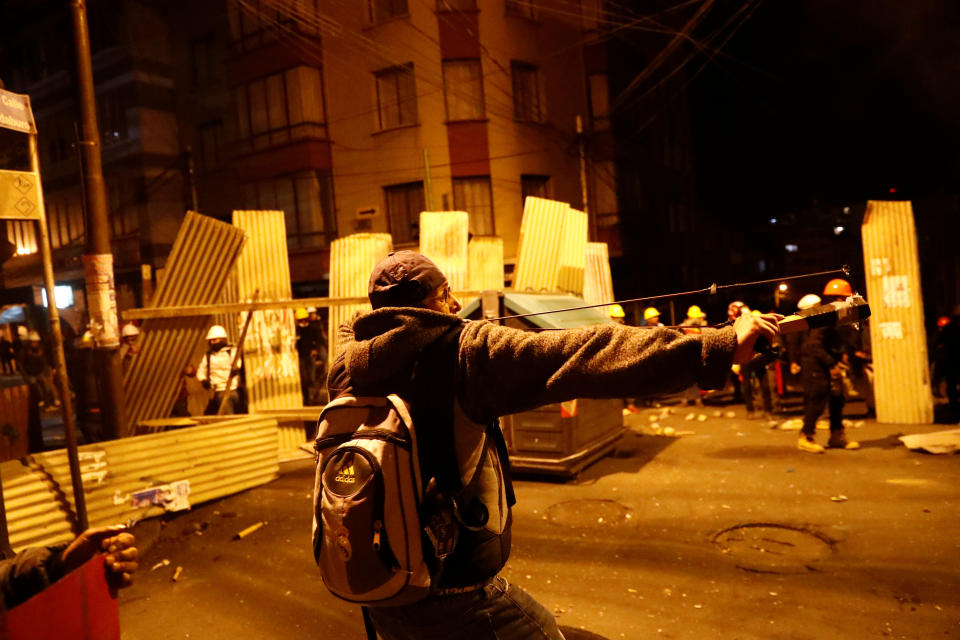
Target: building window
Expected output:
[281,107]
[255,23]
[64,222]
[599,101]
[306,199]
[535,186]
[456,5]
[404,204]
[463,89]
[209,138]
[383,10]
[522,8]
[123,198]
[112,117]
[203,62]
[526,91]
[473,195]
[396,97]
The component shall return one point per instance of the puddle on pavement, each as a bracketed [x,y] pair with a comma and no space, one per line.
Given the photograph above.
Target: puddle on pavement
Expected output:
[581,514]
[773,548]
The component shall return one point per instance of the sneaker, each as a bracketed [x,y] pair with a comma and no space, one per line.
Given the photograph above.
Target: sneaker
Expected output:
[808,444]
[838,440]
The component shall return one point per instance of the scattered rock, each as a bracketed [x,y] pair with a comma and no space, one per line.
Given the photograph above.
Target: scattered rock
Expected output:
[839,498]
[702,417]
[690,416]
[730,414]
[669,431]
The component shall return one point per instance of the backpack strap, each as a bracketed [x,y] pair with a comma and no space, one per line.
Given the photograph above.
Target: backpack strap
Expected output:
[368,624]
[496,434]
[434,386]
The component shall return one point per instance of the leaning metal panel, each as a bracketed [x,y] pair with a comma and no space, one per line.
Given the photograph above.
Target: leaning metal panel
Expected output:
[197,269]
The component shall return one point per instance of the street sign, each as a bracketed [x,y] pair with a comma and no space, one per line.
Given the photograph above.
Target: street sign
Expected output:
[19,195]
[15,112]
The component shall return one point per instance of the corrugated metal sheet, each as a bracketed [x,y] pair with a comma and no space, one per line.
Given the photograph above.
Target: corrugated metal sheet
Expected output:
[352,258]
[897,330]
[598,281]
[443,239]
[200,261]
[572,255]
[218,459]
[538,249]
[270,349]
[486,263]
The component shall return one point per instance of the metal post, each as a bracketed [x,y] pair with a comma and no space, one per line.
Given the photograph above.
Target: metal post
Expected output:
[428,181]
[583,173]
[101,294]
[192,180]
[59,361]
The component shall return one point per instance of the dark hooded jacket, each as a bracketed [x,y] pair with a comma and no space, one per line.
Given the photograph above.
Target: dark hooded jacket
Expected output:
[500,370]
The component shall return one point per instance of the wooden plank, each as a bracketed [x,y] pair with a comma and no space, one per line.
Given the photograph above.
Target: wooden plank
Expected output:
[213,309]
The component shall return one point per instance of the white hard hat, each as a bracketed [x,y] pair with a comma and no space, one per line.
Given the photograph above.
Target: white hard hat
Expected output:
[216,331]
[311,309]
[129,330]
[808,301]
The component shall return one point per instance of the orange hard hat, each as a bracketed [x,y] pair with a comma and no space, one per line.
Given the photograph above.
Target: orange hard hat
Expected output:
[838,287]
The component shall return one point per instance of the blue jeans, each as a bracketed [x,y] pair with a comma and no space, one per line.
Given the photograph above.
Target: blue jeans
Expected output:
[498,611]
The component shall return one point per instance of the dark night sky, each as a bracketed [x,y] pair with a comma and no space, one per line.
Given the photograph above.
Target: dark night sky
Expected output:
[832,101]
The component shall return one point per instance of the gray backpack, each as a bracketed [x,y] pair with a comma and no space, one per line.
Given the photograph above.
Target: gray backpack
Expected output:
[367,503]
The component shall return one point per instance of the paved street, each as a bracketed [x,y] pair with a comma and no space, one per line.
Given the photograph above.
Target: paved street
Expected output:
[861,544]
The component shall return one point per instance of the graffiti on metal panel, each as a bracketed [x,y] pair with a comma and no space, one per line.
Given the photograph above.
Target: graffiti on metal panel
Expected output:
[270,346]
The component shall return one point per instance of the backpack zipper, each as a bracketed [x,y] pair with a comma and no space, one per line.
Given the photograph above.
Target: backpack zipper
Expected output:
[370,434]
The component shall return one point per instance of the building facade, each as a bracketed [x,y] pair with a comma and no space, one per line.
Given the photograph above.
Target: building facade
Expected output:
[348,116]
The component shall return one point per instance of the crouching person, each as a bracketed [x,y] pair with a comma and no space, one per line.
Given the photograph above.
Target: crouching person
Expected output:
[412,504]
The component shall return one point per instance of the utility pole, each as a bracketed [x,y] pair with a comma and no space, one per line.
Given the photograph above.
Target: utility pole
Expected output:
[98,261]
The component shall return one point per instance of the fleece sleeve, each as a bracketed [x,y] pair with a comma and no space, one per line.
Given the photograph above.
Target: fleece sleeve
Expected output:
[30,572]
[505,370]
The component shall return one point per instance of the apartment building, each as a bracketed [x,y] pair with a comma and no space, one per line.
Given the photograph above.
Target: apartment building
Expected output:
[349,115]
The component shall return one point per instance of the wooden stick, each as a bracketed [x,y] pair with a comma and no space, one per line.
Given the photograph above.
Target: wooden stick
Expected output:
[236,357]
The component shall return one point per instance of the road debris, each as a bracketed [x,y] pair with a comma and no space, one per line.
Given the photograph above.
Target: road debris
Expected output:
[669,431]
[240,535]
[702,417]
[730,414]
[839,498]
[162,563]
[176,574]
[938,442]
[690,416]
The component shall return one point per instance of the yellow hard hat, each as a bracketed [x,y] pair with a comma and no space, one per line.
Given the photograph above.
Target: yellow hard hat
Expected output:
[695,312]
[616,311]
[650,312]
[301,314]
[756,312]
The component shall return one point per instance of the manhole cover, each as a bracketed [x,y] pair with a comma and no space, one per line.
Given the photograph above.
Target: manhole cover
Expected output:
[588,513]
[773,548]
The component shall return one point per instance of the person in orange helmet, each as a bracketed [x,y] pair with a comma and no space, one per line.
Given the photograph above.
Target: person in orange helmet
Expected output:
[822,363]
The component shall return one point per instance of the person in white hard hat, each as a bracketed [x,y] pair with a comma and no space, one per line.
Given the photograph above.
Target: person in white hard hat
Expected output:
[214,372]
[33,365]
[129,344]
